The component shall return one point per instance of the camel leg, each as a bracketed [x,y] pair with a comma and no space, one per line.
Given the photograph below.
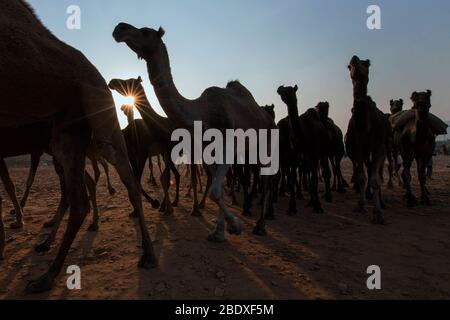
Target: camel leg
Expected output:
[176,174]
[267,207]
[199,179]
[138,164]
[255,183]
[95,168]
[314,185]
[208,185]
[55,222]
[92,192]
[70,151]
[291,181]
[11,190]
[118,156]
[244,177]
[421,172]
[151,178]
[282,188]
[35,159]
[411,200]
[375,182]
[234,180]
[216,194]
[195,212]
[326,172]
[2,232]
[360,183]
[342,184]
[166,205]
[105,166]
[391,165]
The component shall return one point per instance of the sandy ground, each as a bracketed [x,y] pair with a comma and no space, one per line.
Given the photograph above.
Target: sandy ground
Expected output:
[303,257]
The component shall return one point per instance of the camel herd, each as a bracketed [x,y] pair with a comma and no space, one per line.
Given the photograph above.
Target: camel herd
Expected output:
[56,102]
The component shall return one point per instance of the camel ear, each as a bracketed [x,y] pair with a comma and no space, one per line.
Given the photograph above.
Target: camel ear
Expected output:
[401,101]
[161,32]
[139,79]
[391,102]
[429,93]
[296,88]
[414,96]
[367,62]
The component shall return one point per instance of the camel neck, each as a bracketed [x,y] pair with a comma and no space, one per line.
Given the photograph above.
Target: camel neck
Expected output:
[172,102]
[360,89]
[130,117]
[145,108]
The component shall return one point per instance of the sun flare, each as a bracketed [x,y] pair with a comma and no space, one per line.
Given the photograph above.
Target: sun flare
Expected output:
[130,100]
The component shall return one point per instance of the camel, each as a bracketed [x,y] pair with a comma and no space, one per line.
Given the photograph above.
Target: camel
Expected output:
[220,108]
[148,136]
[367,139]
[416,141]
[47,81]
[310,140]
[337,149]
[129,113]
[396,106]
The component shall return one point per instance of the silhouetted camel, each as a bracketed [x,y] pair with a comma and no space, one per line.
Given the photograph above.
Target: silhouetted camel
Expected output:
[49,81]
[367,138]
[392,153]
[311,140]
[149,136]
[230,108]
[416,140]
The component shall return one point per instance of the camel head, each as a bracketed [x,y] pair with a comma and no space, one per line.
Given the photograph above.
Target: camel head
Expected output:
[323,109]
[422,101]
[128,88]
[359,69]
[128,110]
[144,42]
[288,94]
[271,110]
[396,106]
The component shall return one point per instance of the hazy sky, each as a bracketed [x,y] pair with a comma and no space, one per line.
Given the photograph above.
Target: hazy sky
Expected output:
[267,43]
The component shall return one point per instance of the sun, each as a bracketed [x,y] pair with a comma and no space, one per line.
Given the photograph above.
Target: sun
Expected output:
[130,100]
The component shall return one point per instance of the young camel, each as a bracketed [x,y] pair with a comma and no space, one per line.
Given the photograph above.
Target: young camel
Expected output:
[367,138]
[230,108]
[149,135]
[78,107]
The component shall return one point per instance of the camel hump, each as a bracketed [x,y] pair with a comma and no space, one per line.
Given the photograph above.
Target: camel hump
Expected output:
[402,118]
[239,88]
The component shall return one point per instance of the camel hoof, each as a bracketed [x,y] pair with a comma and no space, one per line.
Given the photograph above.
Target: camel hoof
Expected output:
[16,225]
[196,213]
[259,231]
[42,247]
[155,204]
[168,211]
[235,227]
[318,210]
[361,210]
[411,201]
[148,261]
[133,215]
[174,204]
[247,214]
[49,224]
[425,201]
[214,237]
[341,189]
[93,227]
[112,191]
[377,217]
[270,217]
[201,205]
[39,285]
